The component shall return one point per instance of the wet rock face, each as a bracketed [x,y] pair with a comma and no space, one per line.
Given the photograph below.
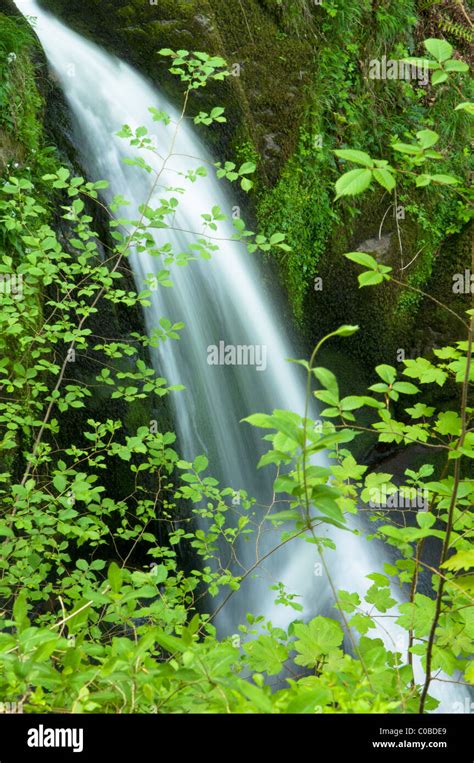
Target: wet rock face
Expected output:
[264,98]
[9,8]
[379,247]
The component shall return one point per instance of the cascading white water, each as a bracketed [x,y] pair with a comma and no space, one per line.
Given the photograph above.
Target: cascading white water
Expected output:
[217,300]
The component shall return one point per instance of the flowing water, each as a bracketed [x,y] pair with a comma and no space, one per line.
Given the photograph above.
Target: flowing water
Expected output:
[221,300]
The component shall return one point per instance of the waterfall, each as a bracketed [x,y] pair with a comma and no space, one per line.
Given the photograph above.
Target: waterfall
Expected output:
[218,300]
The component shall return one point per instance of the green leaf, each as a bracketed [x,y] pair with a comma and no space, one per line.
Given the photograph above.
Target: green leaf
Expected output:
[362,258]
[20,610]
[407,148]
[290,424]
[445,179]
[448,422]
[380,597]
[348,602]
[438,77]
[423,180]
[362,623]
[427,138]
[469,674]
[439,49]
[247,168]
[319,637]
[353,183]
[466,106]
[262,420]
[60,483]
[200,464]
[425,520]
[426,372]
[358,157]
[387,373]
[328,380]
[417,615]
[170,643]
[463,560]
[266,655]
[114,576]
[385,179]
[257,696]
[370,279]
[419,410]
[405,388]
[455,66]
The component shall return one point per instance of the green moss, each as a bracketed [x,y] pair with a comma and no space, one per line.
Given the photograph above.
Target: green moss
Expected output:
[20,102]
[346,109]
[300,206]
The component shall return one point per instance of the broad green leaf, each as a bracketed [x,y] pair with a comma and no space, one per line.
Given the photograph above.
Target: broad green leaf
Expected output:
[247,168]
[200,464]
[427,138]
[439,49]
[319,637]
[448,422]
[353,183]
[463,560]
[417,615]
[328,380]
[266,655]
[385,179]
[362,258]
[455,66]
[387,373]
[60,483]
[358,157]
[262,420]
[438,77]
[405,388]
[370,279]
[425,519]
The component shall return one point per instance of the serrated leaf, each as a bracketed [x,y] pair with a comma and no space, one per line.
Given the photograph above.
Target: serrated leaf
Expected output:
[362,258]
[353,183]
[463,560]
[370,278]
[266,655]
[352,155]
[319,637]
[385,179]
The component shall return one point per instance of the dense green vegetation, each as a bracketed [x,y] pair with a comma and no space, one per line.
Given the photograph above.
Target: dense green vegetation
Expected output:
[99,612]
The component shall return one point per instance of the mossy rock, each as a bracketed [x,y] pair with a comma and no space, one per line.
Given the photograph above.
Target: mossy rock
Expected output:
[268,97]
